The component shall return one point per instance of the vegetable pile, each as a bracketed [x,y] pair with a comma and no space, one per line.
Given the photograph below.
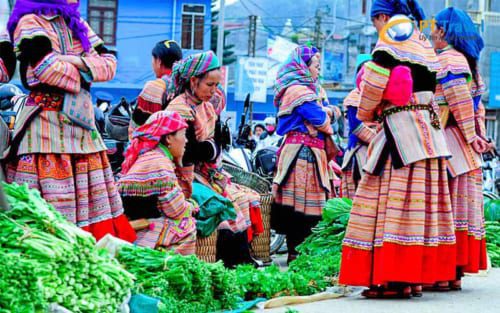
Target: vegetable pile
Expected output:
[184,284]
[320,254]
[492,226]
[46,259]
[315,267]
[493,242]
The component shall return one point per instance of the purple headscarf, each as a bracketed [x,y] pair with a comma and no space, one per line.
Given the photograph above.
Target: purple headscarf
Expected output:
[295,71]
[69,12]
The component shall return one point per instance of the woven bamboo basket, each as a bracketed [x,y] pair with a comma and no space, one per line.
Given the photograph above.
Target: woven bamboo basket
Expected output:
[260,246]
[206,247]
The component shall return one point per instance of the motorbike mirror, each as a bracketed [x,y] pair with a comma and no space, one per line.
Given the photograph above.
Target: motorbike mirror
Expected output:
[103,106]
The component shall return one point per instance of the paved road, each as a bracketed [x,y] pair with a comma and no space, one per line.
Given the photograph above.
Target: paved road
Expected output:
[480,294]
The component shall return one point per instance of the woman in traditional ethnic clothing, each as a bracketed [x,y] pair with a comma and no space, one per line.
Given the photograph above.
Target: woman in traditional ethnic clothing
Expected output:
[195,82]
[7,58]
[303,181]
[56,148]
[165,54]
[458,94]
[400,233]
[150,188]
[360,136]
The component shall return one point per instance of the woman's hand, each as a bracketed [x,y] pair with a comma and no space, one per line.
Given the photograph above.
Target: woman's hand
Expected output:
[480,145]
[328,111]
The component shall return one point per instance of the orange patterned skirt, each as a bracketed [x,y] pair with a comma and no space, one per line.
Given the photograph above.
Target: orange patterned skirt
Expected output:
[81,187]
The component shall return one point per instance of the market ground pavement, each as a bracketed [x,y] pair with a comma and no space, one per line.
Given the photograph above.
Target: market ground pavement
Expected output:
[480,294]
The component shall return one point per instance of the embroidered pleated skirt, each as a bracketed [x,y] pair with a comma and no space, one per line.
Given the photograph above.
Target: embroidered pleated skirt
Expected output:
[80,186]
[401,227]
[301,196]
[466,192]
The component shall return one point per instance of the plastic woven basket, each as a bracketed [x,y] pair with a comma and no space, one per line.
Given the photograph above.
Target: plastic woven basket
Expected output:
[250,180]
[206,247]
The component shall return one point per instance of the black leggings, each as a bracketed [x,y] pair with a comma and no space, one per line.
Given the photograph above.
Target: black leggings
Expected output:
[296,226]
[233,248]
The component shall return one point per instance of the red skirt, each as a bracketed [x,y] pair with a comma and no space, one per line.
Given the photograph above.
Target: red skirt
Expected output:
[401,228]
[81,187]
[466,193]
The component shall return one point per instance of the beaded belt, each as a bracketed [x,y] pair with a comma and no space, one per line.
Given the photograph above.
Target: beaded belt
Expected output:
[49,101]
[413,107]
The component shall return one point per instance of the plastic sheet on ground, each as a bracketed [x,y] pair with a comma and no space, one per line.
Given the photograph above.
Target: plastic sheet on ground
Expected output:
[112,244]
[140,303]
[246,305]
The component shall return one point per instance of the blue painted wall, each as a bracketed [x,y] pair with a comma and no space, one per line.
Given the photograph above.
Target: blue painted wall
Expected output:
[140,25]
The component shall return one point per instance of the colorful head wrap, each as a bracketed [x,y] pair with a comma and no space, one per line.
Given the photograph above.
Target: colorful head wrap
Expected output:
[460,32]
[295,71]
[193,65]
[68,11]
[147,137]
[410,8]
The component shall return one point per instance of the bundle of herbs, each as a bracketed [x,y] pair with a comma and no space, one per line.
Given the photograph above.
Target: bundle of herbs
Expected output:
[493,242]
[184,284]
[314,269]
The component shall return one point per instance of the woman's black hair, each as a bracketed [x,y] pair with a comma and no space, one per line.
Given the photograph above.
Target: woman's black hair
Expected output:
[168,52]
[259,125]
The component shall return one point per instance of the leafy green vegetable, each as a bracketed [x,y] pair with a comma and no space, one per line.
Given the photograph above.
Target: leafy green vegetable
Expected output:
[184,284]
[314,269]
[493,242]
[492,209]
[55,261]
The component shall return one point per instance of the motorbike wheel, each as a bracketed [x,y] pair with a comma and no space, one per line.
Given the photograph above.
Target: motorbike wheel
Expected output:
[490,195]
[277,241]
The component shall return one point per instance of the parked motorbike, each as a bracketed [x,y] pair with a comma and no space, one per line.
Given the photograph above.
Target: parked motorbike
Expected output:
[112,122]
[491,172]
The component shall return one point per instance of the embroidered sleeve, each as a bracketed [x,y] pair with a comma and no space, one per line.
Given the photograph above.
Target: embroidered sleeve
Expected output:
[101,64]
[102,67]
[54,72]
[172,202]
[316,116]
[458,96]
[185,177]
[32,44]
[372,89]
[480,118]
[4,75]
[149,101]
[364,133]
[359,129]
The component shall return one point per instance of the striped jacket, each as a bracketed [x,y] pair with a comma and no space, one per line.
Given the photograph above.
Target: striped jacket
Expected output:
[408,135]
[50,131]
[154,174]
[455,94]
